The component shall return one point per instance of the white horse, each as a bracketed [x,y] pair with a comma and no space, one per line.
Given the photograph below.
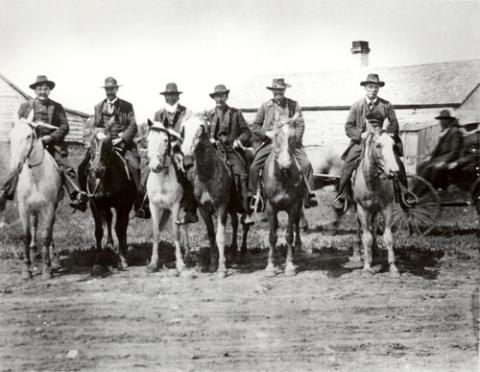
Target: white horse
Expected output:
[373,193]
[39,190]
[164,191]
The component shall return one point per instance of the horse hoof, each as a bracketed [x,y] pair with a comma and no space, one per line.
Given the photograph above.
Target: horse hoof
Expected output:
[98,270]
[367,273]
[27,275]
[394,273]
[222,274]
[180,267]
[46,275]
[290,271]
[270,272]
[152,269]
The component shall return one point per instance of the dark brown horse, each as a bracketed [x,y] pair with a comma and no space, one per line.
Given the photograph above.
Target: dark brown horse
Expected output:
[213,188]
[284,190]
[109,186]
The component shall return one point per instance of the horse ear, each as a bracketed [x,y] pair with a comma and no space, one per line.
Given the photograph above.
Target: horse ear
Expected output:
[149,122]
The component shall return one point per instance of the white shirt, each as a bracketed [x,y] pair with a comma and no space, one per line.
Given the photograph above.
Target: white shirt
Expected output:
[171,108]
[111,104]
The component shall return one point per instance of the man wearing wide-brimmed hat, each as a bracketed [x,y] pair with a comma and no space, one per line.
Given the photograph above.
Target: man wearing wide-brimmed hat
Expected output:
[171,116]
[381,111]
[231,133]
[280,109]
[118,117]
[48,111]
[435,167]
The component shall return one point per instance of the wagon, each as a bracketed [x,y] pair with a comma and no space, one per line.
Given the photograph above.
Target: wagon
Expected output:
[464,188]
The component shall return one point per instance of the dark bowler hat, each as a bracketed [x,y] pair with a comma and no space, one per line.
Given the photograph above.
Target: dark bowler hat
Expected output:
[278,84]
[372,79]
[444,114]
[42,79]
[219,89]
[111,82]
[171,88]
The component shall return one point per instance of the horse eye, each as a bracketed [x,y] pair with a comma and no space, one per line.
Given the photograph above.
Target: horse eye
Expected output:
[379,146]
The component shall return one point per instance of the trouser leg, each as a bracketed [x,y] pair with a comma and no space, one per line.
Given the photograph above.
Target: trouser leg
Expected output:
[305,165]
[133,164]
[82,171]
[10,186]
[349,164]
[239,168]
[189,202]
[69,175]
[256,166]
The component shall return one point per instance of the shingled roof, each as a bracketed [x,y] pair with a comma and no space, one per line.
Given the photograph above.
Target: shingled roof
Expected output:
[426,85]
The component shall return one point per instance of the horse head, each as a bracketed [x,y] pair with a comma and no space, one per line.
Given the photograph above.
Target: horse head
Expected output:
[195,131]
[24,142]
[102,150]
[283,145]
[379,148]
[161,145]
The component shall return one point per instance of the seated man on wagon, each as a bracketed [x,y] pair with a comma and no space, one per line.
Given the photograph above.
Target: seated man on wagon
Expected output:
[435,168]
[379,110]
[46,110]
[231,133]
[280,109]
[171,116]
[118,118]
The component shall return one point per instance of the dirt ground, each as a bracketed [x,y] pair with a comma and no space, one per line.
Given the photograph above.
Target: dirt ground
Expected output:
[327,318]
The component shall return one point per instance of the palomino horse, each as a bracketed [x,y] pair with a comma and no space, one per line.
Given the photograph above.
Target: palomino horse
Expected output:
[284,190]
[373,193]
[164,191]
[39,190]
[213,185]
[109,187]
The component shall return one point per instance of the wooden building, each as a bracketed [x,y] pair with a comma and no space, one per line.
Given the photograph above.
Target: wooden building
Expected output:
[417,92]
[11,97]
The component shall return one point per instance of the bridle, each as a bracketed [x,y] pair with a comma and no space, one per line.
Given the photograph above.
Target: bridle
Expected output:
[165,158]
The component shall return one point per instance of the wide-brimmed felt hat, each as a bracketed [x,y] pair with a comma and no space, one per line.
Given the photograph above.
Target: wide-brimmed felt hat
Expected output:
[372,79]
[219,89]
[171,88]
[111,82]
[42,79]
[278,84]
[445,114]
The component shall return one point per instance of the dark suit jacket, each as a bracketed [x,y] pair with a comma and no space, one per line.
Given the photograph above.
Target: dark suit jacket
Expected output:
[356,125]
[264,120]
[448,147]
[237,126]
[124,120]
[56,117]
[162,117]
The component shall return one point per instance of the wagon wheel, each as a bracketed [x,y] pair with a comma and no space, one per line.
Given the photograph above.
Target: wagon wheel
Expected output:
[421,219]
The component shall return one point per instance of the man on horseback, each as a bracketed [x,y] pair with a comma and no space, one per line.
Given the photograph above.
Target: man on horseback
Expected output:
[118,119]
[435,168]
[171,116]
[46,110]
[377,108]
[280,110]
[231,133]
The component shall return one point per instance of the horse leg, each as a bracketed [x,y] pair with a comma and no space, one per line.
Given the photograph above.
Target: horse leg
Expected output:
[357,256]
[388,239]
[54,259]
[272,239]
[121,226]
[180,265]
[367,239]
[207,217]
[220,240]
[303,221]
[97,216]
[33,240]
[108,220]
[49,218]
[232,252]
[156,217]
[25,216]
[187,257]
[243,248]
[290,269]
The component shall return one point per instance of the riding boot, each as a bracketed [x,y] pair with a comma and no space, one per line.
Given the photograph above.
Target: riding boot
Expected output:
[78,197]
[7,192]
[143,210]
[189,202]
[340,204]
